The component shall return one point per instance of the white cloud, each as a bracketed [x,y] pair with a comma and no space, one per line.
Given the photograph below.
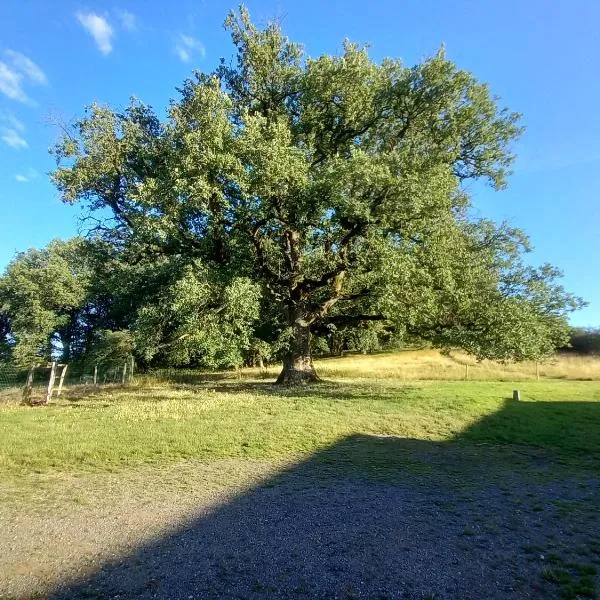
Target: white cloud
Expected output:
[186,47]
[182,53]
[128,20]
[99,28]
[11,129]
[17,71]
[26,66]
[10,83]
[31,174]
[13,138]
[8,119]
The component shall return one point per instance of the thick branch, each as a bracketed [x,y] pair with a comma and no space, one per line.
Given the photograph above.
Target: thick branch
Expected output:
[355,230]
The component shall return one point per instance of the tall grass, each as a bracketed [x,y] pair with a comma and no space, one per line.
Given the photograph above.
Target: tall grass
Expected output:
[432,365]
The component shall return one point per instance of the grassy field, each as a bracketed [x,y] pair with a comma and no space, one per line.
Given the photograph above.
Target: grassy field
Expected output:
[211,417]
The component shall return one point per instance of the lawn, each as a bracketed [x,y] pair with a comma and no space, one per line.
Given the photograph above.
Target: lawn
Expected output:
[157,422]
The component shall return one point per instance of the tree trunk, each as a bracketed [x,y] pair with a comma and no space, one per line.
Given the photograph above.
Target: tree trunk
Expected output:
[298,367]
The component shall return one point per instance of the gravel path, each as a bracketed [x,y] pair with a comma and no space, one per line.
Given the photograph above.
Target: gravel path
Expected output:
[451,524]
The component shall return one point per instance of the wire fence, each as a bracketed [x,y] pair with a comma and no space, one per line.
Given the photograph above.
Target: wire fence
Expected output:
[11,376]
[44,381]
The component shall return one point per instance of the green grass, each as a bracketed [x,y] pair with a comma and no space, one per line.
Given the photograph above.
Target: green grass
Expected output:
[573,579]
[156,423]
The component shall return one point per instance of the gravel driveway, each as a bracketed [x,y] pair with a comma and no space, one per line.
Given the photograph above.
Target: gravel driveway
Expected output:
[432,520]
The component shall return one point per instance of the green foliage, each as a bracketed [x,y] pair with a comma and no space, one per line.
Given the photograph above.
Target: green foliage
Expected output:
[333,184]
[41,294]
[198,321]
[259,353]
[110,348]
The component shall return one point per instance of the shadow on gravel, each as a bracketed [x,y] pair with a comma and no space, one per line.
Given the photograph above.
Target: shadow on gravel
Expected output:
[382,517]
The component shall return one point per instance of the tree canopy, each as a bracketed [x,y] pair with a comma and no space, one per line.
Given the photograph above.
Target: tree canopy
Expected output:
[41,295]
[318,195]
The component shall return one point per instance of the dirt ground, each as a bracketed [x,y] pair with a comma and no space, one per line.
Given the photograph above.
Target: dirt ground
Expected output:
[446,522]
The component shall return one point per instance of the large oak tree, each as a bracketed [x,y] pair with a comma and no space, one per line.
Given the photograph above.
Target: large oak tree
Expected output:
[336,183]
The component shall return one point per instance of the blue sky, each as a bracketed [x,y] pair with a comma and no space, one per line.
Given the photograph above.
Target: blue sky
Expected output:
[541,58]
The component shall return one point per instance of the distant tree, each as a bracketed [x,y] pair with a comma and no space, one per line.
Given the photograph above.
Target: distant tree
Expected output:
[585,340]
[336,185]
[42,293]
[109,348]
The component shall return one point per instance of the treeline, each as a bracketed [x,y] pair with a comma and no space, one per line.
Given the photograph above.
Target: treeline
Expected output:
[85,301]
[584,340]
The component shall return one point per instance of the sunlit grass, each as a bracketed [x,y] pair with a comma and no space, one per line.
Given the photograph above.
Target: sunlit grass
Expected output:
[432,365]
[209,417]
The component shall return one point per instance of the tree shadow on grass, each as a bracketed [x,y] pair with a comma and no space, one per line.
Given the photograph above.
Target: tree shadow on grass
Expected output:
[384,517]
[329,389]
[332,390]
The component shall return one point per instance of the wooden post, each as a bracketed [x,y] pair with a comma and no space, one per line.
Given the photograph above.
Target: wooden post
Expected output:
[131,367]
[28,385]
[96,375]
[467,372]
[62,379]
[537,370]
[516,395]
[51,382]
[124,373]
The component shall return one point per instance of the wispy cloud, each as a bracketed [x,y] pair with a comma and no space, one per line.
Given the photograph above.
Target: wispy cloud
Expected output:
[10,83]
[11,130]
[27,176]
[186,47]
[99,28]
[8,119]
[128,20]
[26,66]
[13,138]
[15,72]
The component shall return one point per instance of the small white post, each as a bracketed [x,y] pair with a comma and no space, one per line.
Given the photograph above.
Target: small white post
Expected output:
[96,375]
[467,372]
[537,370]
[51,382]
[124,373]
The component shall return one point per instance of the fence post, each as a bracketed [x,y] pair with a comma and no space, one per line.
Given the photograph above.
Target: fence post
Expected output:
[131,367]
[95,375]
[537,370]
[51,382]
[62,379]
[124,373]
[467,372]
[28,385]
